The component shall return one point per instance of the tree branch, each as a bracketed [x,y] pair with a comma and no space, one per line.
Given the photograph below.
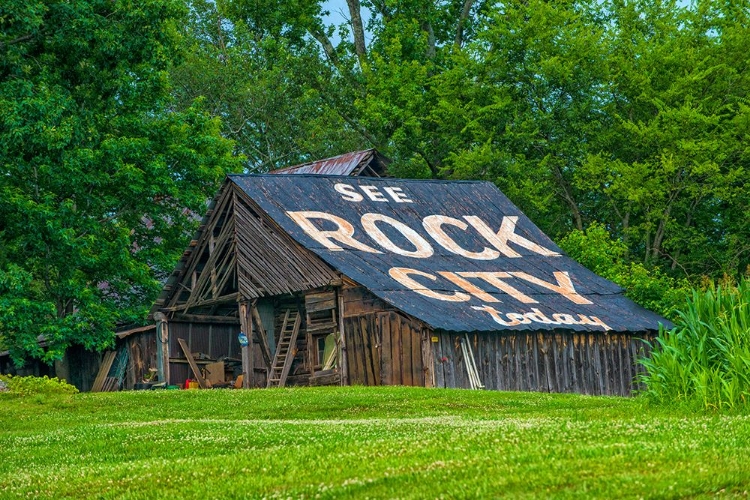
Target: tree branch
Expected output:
[461,21]
[328,47]
[18,40]
[358,31]
[427,27]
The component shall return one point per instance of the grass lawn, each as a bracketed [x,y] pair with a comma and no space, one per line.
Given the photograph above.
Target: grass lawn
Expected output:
[364,442]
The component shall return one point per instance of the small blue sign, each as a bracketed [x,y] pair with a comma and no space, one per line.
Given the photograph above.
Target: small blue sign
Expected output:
[243,339]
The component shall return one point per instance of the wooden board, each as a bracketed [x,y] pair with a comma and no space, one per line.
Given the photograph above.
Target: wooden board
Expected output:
[196,371]
[215,373]
[109,358]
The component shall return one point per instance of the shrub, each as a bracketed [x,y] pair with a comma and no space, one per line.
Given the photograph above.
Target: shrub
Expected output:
[607,257]
[31,386]
[705,359]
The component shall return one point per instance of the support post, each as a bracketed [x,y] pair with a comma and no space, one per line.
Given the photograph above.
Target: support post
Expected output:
[246,324]
[342,340]
[162,347]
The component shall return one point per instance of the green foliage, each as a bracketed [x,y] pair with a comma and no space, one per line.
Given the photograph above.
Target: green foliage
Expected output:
[705,360]
[99,176]
[607,257]
[634,114]
[365,442]
[37,386]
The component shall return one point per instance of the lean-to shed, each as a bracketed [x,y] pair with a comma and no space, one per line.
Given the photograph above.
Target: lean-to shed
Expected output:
[380,281]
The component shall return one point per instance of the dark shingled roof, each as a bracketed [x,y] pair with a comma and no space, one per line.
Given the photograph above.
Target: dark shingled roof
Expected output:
[541,307]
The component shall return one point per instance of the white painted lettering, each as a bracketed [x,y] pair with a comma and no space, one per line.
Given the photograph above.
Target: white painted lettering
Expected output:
[507,234]
[433,225]
[564,286]
[397,194]
[537,316]
[373,193]
[402,275]
[344,233]
[494,279]
[468,286]
[496,315]
[564,319]
[422,247]
[348,191]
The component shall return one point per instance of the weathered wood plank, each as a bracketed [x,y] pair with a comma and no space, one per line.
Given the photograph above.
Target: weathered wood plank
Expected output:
[196,371]
[109,358]
[406,350]
[437,355]
[450,366]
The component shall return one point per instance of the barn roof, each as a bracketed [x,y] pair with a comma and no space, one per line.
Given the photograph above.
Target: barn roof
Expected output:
[367,163]
[459,256]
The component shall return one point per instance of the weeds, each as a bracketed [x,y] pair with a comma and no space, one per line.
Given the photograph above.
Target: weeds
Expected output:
[705,360]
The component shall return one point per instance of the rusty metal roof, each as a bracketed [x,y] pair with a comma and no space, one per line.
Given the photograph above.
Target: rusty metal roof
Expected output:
[459,256]
[368,163]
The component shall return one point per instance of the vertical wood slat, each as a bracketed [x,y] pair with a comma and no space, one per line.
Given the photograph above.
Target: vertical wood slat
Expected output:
[395,332]
[375,349]
[449,366]
[502,372]
[342,361]
[248,371]
[366,352]
[520,379]
[428,360]
[437,352]
[559,361]
[352,354]
[386,360]
[406,347]
[416,356]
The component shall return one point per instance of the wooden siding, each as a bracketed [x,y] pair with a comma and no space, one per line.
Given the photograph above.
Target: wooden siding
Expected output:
[384,348]
[585,363]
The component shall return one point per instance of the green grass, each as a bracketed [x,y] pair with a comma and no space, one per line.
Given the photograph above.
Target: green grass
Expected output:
[365,442]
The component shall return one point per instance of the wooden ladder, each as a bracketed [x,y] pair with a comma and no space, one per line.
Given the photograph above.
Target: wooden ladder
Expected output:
[282,361]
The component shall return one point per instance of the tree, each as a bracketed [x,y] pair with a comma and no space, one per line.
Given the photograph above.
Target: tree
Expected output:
[625,112]
[669,173]
[261,73]
[99,175]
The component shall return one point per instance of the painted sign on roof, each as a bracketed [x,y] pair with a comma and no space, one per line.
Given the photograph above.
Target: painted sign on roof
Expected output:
[457,255]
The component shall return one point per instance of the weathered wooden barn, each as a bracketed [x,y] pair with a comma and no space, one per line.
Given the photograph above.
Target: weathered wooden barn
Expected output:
[380,281]
[213,336]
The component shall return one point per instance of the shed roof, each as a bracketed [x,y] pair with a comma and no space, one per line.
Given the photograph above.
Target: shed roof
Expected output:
[460,256]
[368,163]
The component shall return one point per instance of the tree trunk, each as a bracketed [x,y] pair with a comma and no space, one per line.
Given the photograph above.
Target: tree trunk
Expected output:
[461,21]
[358,31]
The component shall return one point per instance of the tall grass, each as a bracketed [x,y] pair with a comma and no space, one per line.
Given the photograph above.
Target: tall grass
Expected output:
[705,360]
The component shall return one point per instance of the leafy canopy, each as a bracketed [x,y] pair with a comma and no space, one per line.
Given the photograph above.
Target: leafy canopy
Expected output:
[99,175]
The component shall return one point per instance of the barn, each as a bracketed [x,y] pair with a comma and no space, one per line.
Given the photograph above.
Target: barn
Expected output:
[313,279]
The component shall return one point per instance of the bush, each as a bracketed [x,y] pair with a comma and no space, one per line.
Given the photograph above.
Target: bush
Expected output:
[705,360]
[607,257]
[32,386]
